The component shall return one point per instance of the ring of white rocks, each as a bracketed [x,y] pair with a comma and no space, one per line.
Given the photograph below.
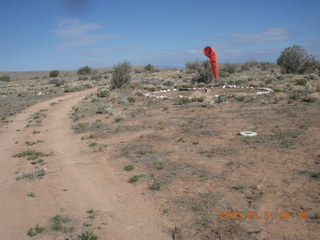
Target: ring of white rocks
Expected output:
[262,91]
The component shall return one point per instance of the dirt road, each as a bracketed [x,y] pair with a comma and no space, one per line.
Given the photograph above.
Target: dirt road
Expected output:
[78,184]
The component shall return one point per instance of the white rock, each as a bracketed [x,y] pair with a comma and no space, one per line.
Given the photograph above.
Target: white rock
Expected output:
[260,93]
[248,134]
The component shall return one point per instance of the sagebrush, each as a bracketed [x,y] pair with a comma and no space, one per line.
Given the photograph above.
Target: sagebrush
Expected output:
[295,59]
[121,75]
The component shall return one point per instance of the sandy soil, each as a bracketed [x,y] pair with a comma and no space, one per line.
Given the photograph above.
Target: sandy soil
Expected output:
[75,182]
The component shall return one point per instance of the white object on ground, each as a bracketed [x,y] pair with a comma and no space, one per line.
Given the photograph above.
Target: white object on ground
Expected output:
[248,134]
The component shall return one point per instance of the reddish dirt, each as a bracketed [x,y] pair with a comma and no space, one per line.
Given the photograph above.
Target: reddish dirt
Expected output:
[193,151]
[76,181]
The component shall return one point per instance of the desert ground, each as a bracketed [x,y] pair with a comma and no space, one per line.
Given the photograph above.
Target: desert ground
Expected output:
[80,161]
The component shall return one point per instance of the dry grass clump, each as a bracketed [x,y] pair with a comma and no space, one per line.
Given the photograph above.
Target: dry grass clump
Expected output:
[314,97]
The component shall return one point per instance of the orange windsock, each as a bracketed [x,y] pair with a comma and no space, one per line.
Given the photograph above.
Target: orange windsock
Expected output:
[212,55]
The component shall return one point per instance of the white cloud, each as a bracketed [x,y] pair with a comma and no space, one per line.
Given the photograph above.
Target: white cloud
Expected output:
[271,35]
[75,33]
[108,51]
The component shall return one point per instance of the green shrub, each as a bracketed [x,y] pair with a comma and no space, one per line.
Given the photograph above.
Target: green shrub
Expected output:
[155,186]
[96,77]
[229,68]
[220,99]
[240,98]
[204,73]
[5,78]
[54,73]
[85,71]
[118,119]
[83,78]
[295,96]
[131,99]
[149,68]
[248,65]
[183,100]
[128,168]
[295,59]
[34,231]
[31,194]
[36,174]
[73,89]
[87,85]
[104,108]
[61,224]
[87,236]
[30,154]
[239,188]
[121,75]
[57,82]
[134,178]
[197,99]
[301,82]
[103,93]
[194,65]
[168,83]
[266,65]
[245,67]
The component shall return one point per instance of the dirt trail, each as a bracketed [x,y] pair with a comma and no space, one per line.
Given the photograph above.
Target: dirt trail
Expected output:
[75,182]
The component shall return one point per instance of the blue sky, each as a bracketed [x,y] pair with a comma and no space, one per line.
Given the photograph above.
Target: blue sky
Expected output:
[68,34]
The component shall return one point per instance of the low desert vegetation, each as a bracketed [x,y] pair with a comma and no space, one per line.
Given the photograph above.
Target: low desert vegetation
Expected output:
[155,186]
[54,73]
[134,178]
[87,235]
[31,194]
[239,188]
[91,214]
[30,154]
[103,93]
[203,73]
[62,224]
[128,167]
[295,59]
[35,231]
[38,173]
[121,75]
[193,65]
[149,68]
[5,78]
[85,71]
